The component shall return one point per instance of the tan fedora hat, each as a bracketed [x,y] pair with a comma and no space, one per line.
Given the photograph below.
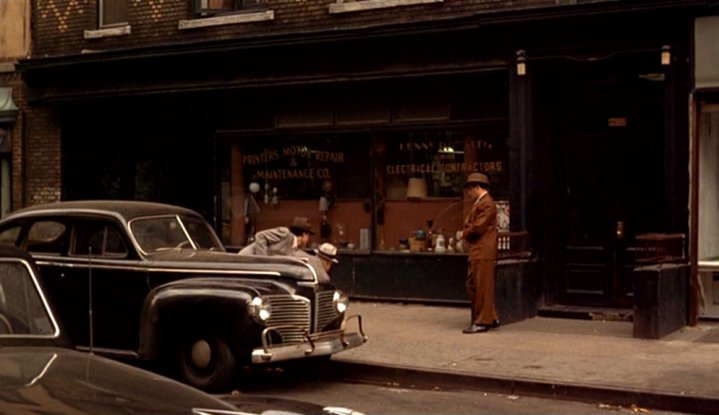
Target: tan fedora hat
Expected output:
[477,178]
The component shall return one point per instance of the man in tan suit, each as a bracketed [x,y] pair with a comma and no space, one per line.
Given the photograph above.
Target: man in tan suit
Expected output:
[480,240]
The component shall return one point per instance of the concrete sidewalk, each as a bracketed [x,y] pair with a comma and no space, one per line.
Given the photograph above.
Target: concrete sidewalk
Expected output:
[596,361]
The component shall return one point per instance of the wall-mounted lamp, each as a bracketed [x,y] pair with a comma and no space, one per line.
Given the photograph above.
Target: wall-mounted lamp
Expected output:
[521,63]
[666,55]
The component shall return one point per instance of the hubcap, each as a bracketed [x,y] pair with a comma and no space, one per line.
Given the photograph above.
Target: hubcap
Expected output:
[201,354]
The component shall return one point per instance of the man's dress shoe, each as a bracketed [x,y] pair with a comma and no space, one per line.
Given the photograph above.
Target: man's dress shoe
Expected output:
[476,328]
[494,325]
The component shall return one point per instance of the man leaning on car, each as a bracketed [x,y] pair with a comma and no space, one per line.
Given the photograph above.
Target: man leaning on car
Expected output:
[288,241]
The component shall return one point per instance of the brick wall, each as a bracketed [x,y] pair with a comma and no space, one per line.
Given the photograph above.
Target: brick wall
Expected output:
[41,157]
[18,88]
[59,25]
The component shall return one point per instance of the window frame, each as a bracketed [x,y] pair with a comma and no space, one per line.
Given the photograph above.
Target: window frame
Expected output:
[97,227]
[101,4]
[55,246]
[238,6]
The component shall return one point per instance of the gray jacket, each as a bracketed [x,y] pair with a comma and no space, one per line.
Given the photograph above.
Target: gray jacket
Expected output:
[273,241]
[281,241]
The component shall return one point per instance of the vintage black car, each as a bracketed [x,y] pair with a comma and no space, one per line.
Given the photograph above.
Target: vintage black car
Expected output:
[40,373]
[153,282]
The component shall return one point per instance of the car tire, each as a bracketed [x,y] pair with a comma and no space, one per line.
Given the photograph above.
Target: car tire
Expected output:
[206,362]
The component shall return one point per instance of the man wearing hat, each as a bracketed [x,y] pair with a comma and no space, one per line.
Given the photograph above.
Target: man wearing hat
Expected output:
[480,240]
[288,241]
[328,254]
[302,230]
[281,240]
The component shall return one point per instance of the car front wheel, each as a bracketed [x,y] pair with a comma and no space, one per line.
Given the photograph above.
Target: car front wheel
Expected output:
[206,362]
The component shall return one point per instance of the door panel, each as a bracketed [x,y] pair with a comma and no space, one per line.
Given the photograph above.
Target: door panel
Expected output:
[118,286]
[584,271]
[599,180]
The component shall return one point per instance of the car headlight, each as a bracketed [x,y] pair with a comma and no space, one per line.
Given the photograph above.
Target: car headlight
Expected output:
[260,310]
[341,301]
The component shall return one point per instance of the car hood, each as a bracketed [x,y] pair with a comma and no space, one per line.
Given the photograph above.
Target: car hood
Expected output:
[59,381]
[214,261]
[56,381]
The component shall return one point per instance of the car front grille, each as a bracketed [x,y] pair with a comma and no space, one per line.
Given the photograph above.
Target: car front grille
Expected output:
[326,311]
[291,315]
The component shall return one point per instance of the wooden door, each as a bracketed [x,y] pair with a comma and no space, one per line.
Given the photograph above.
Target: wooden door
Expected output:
[606,138]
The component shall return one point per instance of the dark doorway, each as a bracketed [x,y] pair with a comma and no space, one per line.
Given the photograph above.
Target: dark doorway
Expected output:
[603,124]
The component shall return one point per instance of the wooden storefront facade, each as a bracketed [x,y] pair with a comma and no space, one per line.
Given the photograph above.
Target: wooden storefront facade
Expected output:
[370,131]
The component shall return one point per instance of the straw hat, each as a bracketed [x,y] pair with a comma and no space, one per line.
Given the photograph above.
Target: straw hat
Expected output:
[328,251]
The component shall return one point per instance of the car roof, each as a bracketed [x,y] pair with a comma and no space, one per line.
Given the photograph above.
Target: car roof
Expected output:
[128,209]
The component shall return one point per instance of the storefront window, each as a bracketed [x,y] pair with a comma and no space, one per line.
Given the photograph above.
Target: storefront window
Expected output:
[325,178]
[420,183]
[392,190]
[303,168]
[441,160]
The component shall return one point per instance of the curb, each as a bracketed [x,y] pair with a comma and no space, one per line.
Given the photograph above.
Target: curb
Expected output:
[415,378]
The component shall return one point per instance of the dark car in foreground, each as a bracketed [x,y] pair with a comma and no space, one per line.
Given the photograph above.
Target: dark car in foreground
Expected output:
[41,374]
[149,281]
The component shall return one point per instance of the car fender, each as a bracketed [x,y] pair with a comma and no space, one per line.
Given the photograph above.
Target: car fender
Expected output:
[220,305]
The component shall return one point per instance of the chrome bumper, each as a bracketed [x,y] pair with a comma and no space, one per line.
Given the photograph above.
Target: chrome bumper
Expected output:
[321,344]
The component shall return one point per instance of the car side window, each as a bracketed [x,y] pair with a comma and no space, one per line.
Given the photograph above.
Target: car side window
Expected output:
[99,238]
[9,235]
[48,237]
[22,311]
[114,244]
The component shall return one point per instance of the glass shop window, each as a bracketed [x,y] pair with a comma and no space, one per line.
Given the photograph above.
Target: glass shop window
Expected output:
[420,183]
[301,169]
[324,178]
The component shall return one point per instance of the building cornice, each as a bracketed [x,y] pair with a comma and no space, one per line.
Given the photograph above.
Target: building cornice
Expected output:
[455,23]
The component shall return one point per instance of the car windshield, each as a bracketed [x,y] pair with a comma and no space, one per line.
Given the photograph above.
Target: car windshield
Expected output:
[160,233]
[23,311]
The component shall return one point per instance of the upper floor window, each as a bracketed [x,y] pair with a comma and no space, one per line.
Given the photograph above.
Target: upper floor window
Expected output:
[215,7]
[112,12]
